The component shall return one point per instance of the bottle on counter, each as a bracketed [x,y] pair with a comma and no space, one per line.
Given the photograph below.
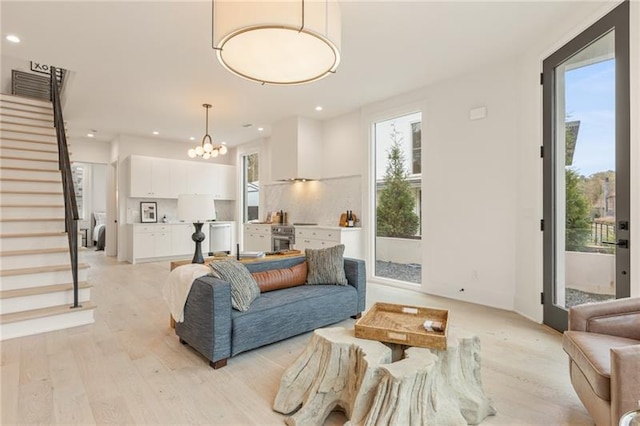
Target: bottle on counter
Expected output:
[350,218]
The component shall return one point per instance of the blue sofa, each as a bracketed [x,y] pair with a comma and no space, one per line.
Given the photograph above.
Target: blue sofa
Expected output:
[218,332]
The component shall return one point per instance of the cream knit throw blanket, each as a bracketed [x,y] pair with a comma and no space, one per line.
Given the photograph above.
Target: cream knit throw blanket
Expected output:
[177,286]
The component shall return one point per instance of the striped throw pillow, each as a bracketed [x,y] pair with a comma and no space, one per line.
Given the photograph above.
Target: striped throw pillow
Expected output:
[326,266]
[244,289]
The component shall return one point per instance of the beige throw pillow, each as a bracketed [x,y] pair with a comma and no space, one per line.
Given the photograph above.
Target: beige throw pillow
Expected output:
[244,289]
[326,266]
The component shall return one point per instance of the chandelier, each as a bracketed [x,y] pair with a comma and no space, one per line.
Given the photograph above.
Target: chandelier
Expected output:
[206,149]
[278,42]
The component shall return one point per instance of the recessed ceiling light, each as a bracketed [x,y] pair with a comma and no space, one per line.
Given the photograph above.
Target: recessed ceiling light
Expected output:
[90,135]
[156,132]
[260,129]
[13,38]
[192,138]
[319,108]
[223,143]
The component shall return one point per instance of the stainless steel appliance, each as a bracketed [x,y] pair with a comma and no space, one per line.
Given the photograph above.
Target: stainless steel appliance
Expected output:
[282,237]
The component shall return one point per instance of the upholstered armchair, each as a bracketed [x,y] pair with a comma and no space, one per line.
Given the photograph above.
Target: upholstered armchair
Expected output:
[603,344]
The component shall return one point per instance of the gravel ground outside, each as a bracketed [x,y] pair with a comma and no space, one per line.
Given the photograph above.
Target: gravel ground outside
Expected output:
[413,273]
[575,297]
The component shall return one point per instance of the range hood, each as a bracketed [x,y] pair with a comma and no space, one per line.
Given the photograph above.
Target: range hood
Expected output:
[296,150]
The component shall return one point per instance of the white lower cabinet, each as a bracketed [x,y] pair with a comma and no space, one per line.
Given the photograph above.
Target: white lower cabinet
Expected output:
[181,241]
[317,237]
[257,237]
[149,241]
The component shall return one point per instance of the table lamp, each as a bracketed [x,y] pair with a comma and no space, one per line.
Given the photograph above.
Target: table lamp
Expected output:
[196,208]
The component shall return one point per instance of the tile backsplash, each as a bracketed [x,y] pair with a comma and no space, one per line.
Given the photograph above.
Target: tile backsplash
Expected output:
[225,209]
[320,201]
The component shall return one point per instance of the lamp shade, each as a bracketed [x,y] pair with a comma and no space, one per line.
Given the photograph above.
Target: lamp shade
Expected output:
[278,42]
[196,207]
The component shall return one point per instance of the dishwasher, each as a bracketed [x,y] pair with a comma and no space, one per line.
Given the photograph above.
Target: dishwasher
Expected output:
[220,237]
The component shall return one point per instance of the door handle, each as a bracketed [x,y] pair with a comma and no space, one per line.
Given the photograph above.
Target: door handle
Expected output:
[619,243]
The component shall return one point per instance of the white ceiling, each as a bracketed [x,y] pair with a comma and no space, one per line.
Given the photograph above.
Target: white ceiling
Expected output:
[144,66]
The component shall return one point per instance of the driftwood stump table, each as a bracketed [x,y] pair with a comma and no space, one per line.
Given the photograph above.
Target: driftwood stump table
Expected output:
[377,384]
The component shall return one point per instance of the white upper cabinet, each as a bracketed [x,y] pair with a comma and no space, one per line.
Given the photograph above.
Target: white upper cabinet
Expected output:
[296,149]
[226,183]
[152,177]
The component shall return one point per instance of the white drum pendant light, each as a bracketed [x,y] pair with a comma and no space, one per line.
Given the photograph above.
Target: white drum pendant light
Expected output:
[278,42]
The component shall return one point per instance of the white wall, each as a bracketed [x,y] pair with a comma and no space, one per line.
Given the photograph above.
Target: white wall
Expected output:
[469,188]
[89,151]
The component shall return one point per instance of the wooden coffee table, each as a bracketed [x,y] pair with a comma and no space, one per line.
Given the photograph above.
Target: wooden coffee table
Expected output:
[371,386]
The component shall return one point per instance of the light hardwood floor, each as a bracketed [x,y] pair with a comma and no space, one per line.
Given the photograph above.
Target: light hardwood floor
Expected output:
[129,368]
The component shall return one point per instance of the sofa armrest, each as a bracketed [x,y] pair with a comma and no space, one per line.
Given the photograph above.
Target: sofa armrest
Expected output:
[625,381]
[207,318]
[620,317]
[356,274]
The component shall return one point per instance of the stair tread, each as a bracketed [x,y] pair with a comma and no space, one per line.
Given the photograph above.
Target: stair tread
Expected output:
[28,133]
[45,289]
[11,157]
[25,100]
[35,219]
[29,180]
[37,251]
[13,123]
[19,148]
[33,234]
[30,193]
[44,312]
[32,205]
[23,117]
[39,269]
[28,169]
[28,141]
[12,106]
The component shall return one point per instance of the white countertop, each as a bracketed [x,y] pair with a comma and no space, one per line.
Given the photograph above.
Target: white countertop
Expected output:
[180,223]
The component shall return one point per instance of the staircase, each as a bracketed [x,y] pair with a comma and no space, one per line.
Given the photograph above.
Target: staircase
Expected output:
[36,283]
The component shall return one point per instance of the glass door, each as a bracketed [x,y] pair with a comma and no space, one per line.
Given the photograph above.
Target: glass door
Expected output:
[586,169]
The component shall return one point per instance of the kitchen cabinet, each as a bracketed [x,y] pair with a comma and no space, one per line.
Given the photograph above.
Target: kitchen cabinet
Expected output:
[257,237]
[157,241]
[149,241]
[226,187]
[317,237]
[151,177]
[181,241]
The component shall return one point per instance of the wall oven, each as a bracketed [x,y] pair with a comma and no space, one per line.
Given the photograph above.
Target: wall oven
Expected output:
[282,237]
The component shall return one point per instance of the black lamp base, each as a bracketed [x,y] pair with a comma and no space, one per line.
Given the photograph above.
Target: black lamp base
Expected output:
[198,238]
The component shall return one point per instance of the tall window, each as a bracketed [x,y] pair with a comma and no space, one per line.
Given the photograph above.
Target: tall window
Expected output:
[250,186]
[398,169]
[416,145]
